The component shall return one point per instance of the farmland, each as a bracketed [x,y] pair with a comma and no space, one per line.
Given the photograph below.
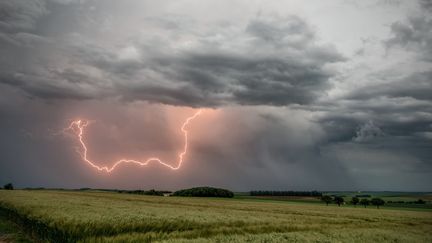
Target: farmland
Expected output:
[400,200]
[93,216]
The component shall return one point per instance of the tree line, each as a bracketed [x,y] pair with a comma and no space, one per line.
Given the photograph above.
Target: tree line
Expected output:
[354,201]
[204,192]
[286,193]
[151,192]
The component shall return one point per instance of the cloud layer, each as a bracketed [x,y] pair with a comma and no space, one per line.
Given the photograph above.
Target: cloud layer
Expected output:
[269,60]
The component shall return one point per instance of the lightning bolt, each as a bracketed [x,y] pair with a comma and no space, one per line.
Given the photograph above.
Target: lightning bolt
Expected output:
[78,127]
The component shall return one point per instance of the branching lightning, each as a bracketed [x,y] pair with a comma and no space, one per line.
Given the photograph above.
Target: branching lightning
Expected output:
[78,127]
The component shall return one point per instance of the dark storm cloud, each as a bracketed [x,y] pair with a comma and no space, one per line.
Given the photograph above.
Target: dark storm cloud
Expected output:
[48,87]
[250,75]
[279,64]
[273,61]
[218,79]
[398,109]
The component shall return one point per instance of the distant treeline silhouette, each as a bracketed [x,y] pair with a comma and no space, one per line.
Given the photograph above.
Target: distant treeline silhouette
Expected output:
[287,193]
[204,192]
[151,192]
[363,195]
[419,201]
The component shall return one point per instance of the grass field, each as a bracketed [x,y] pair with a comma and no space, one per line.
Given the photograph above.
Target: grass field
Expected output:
[67,216]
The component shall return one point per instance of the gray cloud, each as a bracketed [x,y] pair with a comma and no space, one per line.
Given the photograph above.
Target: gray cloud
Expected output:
[271,60]
[20,14]
[368,132]
[392,115]
[417,86]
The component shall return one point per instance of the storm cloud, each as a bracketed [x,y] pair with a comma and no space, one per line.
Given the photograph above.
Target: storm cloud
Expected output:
[269,60]
[297,95]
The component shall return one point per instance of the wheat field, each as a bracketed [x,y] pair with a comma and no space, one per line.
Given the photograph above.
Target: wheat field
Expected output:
[73,216]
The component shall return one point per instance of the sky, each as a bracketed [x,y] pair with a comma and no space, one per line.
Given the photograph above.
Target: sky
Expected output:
[295,95]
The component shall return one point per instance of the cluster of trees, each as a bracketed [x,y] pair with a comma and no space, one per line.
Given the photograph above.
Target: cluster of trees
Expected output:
[8,186]
[374,201]
[287,193]
[354,201]
[204,192]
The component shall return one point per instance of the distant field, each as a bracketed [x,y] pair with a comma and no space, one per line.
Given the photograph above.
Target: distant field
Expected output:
[398,199]
[402,200]
[62,216]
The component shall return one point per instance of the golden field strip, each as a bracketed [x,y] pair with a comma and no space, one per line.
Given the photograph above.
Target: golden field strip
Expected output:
[71,216]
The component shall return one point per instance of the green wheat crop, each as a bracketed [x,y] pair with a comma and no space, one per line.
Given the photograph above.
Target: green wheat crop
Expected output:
[66,216]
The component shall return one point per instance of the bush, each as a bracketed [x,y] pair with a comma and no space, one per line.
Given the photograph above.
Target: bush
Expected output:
[204,192]
[8,186]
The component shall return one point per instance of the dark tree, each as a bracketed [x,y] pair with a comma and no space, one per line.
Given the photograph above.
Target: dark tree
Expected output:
[327,199]
[338,200]
[364,202]
[8,186]
[377,202]
[355,201]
